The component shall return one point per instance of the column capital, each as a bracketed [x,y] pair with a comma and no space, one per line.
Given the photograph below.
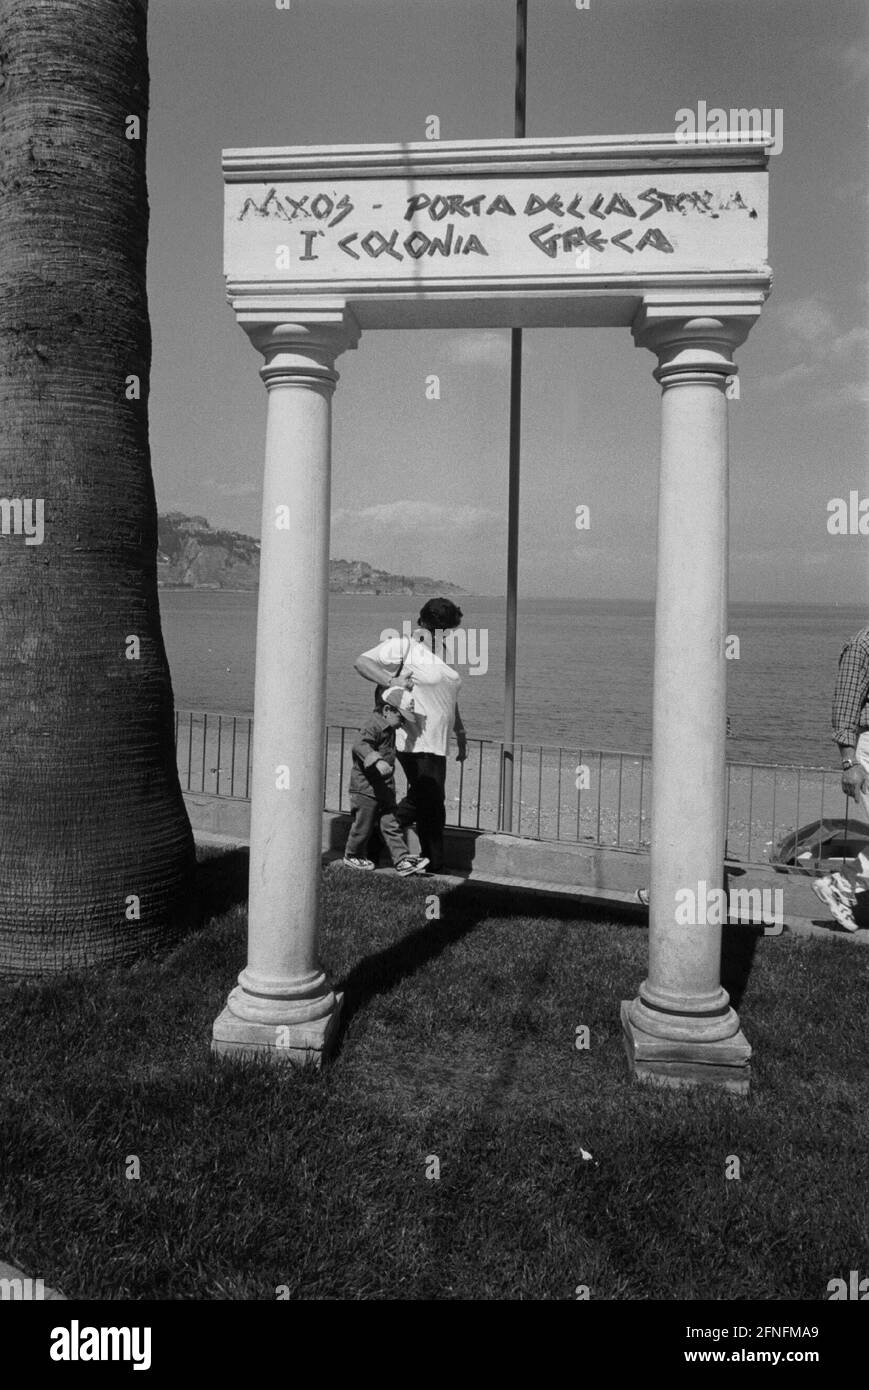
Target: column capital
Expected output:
[694,338]
[299,337]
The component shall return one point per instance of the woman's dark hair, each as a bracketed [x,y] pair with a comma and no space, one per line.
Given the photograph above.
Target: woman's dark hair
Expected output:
[439,615]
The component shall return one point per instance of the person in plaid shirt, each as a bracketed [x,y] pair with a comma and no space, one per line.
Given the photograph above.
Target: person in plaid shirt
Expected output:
[851,733]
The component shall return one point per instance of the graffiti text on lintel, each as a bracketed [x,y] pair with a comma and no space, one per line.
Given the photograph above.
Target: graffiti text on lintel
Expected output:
[329,210]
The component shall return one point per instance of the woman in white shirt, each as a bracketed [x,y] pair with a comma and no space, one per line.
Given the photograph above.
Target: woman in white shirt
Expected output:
[417,662]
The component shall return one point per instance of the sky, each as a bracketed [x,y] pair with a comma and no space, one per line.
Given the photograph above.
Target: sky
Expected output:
[420,486]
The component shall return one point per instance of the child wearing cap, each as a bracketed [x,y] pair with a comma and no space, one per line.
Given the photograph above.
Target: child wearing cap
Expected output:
[372,785]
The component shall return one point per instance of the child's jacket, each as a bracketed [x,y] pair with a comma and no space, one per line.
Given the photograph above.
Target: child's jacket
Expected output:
[376,740]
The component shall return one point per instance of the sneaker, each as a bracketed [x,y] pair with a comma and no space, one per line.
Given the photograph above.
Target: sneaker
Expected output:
[411,864]
[642,896]
[353,862]
[840,910]
[843,887]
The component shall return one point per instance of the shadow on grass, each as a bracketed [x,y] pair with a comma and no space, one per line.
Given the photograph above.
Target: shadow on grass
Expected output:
[738,945]
[502,1086]
[380,973]
[464,907]
[221,878]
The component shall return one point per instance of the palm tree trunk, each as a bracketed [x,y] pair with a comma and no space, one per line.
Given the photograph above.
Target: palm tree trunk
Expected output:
[96,852]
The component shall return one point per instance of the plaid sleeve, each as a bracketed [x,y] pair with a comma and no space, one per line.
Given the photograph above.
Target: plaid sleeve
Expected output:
[851,696]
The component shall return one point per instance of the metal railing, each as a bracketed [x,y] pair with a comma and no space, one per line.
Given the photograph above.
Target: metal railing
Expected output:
[596,797]
[213,753]
[575,795]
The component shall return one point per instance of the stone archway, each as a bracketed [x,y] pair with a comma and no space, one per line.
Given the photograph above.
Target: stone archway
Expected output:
[647,232]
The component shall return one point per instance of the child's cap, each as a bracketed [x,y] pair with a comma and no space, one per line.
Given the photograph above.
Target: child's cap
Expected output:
[400,699]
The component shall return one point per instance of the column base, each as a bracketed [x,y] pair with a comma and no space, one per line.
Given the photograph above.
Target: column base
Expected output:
[309,1041]
[686,1062]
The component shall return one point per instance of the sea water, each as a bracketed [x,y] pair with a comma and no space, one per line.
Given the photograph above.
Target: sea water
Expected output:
[584,668]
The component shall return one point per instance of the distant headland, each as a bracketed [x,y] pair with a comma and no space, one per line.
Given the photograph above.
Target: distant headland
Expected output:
[190,555]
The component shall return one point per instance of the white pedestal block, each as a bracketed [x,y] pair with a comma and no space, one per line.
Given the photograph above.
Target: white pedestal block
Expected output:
[298,1043]
[684,1062]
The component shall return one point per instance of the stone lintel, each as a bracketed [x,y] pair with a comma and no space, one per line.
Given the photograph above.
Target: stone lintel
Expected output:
[512,233]
[634,152]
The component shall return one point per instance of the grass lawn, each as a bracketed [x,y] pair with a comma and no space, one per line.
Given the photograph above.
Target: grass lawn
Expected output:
[458,1042]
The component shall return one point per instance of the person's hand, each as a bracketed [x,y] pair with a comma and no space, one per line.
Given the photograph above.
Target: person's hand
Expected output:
[855,781]
[408,680]
[383,767]
[462,741]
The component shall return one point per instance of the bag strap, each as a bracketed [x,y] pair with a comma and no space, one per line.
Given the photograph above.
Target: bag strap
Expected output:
[401,663]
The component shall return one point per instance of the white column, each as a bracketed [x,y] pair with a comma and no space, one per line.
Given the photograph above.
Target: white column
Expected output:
[681,1028]
[283,1004]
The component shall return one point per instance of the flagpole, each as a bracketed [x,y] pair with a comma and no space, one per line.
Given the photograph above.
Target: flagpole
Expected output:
[513,475]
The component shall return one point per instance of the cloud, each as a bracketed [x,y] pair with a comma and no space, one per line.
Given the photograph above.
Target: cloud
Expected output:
[834,359]
[815,561]
[785,378]
[854,192]
[851,341]
[585,553]
[483,349]
[410,515]
[846,393]
[806,319]
[232,489]
[853,58]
